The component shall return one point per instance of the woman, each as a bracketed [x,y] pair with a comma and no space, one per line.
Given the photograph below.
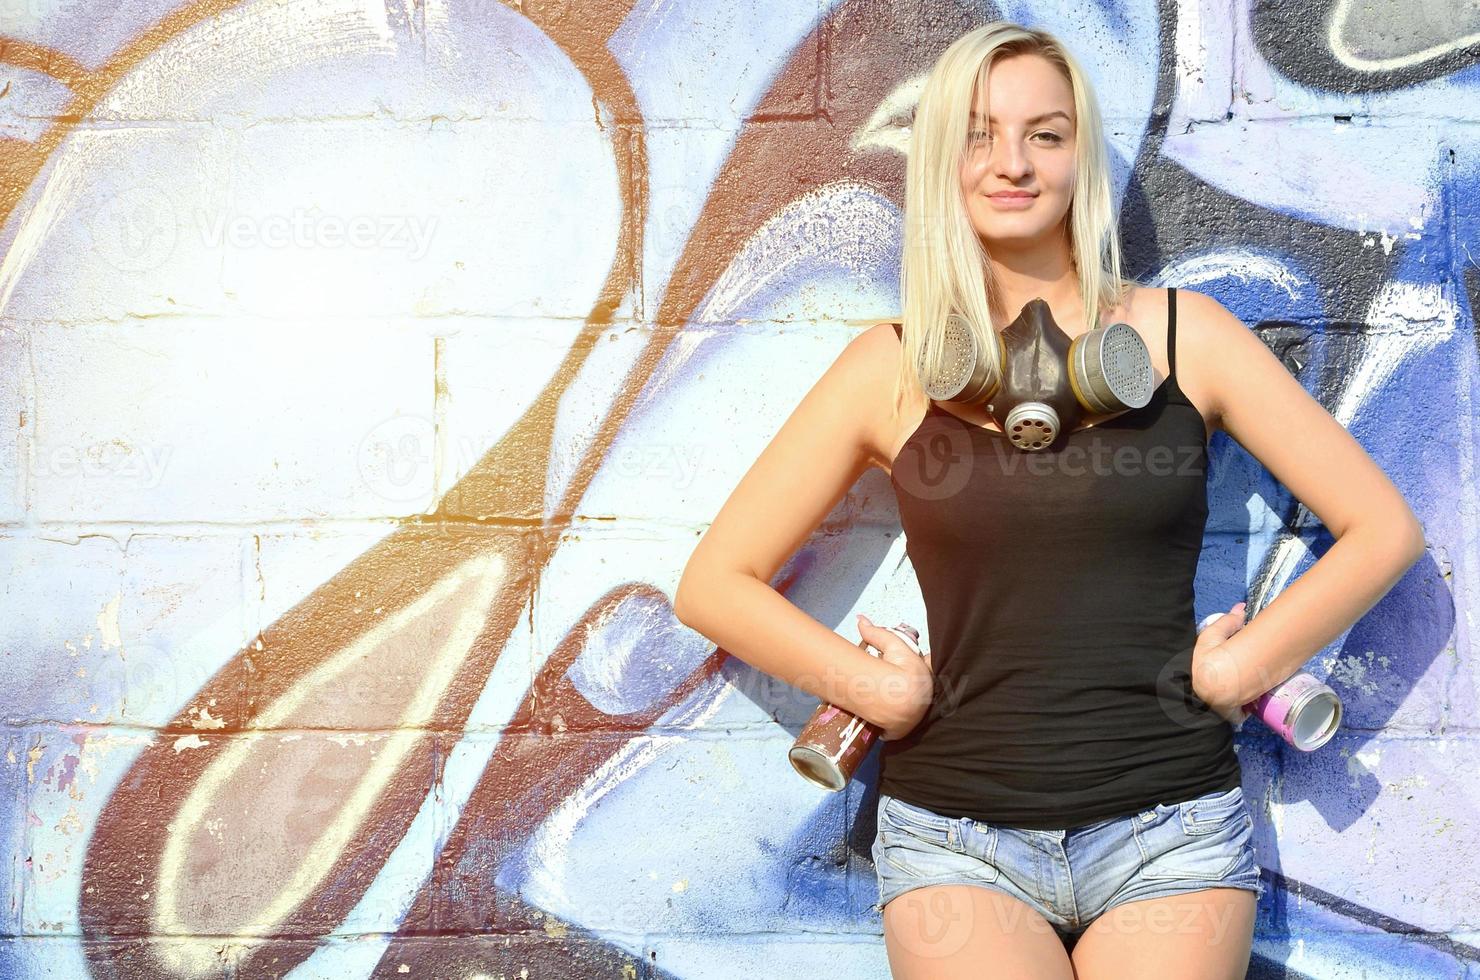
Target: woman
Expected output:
[1060,795]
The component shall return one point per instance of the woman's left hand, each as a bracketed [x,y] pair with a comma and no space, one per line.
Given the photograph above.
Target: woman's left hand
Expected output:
[1209,637]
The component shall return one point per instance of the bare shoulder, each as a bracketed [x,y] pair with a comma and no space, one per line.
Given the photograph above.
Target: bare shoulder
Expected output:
[873,357]
[882,347]
[859,385]
[1208,332]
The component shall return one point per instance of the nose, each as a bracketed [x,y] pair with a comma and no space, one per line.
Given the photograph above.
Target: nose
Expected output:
[1012,160]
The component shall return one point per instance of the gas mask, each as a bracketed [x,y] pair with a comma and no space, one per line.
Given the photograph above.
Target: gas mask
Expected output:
[1049,381]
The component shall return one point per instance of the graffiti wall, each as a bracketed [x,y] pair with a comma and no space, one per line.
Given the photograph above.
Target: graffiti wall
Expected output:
[368,373]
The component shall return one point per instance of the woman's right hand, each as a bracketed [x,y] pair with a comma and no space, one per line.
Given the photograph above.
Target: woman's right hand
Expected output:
[916,669]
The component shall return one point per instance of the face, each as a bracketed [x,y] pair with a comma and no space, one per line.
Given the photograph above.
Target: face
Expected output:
[1022,145]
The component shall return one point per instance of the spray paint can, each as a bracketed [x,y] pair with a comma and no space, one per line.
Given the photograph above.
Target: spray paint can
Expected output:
[1303,711]
[835,741]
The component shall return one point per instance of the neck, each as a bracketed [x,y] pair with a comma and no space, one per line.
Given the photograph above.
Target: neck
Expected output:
[1040,269]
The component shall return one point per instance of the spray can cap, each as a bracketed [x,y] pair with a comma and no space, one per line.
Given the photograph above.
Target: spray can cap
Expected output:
[907,628]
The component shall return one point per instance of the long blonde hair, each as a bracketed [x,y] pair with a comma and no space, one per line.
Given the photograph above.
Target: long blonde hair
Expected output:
[945,267]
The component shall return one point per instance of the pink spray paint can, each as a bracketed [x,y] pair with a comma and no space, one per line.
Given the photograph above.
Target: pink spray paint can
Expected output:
[1303,711]
[835,741]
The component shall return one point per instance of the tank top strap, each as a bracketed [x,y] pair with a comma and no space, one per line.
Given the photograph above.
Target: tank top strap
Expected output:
[1171,331]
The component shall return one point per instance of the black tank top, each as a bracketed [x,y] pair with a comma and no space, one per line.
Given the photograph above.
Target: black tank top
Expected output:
[1058,592]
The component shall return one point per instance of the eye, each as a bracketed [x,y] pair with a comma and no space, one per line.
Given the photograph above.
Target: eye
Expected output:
[978,134]
[1053,137]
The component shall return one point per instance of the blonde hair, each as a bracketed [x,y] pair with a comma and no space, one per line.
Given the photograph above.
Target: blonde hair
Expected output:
[945,267]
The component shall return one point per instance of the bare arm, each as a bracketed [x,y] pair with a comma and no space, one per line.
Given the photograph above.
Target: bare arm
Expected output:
[1378,538]
[821,450]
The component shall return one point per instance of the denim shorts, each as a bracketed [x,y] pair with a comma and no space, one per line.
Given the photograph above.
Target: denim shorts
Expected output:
[1072,876]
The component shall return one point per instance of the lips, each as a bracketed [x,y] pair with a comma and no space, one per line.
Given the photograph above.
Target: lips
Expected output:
[1011,195]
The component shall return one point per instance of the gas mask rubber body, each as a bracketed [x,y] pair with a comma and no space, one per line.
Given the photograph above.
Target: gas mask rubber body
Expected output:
[1049,380]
